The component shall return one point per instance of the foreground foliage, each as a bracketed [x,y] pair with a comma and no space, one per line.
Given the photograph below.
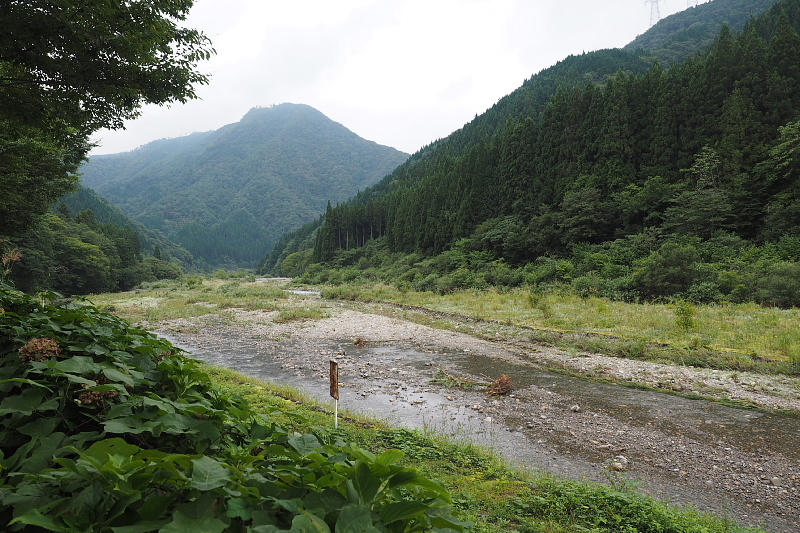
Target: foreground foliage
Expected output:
[105,427]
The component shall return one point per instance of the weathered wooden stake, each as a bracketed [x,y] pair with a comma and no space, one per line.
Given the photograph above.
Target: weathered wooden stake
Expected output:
[335,392]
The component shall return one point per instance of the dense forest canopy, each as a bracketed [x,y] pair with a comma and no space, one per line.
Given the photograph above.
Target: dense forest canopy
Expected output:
[227,195]
[628,179]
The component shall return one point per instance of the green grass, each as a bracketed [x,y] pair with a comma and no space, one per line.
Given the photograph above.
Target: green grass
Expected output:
[735,337]
[744,337]
[167,300]
[485,490]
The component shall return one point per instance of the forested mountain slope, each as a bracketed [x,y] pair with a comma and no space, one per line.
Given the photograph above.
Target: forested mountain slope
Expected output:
[227,195]
[676,38]
[105,212]
[88,245]
[702,151]
[533,97]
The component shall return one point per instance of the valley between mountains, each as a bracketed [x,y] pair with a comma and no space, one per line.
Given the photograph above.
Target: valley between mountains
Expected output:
[567,412]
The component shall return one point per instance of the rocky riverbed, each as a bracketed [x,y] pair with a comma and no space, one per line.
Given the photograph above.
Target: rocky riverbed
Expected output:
[740,463]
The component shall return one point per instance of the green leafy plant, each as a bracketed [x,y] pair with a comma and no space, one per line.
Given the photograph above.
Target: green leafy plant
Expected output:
[105,427]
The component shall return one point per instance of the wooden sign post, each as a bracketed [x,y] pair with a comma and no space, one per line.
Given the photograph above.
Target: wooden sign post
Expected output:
[335,392]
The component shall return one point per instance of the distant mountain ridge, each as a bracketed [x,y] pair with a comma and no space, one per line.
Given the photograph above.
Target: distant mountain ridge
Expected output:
[228,195]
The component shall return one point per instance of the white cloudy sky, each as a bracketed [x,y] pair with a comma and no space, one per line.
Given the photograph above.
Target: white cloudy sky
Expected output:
[398,72]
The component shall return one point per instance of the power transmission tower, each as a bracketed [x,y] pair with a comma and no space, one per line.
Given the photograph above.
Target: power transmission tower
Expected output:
[690,3]
[655,16]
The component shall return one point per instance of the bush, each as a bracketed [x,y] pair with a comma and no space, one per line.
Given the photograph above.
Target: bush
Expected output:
[667,272]
[549,270]
[779,286]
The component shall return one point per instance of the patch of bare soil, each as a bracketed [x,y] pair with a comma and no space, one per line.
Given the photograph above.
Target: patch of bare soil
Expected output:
[744,464]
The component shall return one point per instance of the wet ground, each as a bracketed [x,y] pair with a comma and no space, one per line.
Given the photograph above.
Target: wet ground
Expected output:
[739,463]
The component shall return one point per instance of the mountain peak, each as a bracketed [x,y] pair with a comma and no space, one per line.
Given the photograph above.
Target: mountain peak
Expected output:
[229,196]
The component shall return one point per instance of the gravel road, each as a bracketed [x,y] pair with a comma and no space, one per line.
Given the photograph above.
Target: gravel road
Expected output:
[744,464]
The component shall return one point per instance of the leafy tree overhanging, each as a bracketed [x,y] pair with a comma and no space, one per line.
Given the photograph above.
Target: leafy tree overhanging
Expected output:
[69,68]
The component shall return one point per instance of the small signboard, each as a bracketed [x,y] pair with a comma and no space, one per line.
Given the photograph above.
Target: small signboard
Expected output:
[334,380]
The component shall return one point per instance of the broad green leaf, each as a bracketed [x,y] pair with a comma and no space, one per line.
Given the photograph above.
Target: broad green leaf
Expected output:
[25,403]
[77,364]
[238,508]
[292,506]
[309,523]
[402,511]
[102,450]
[208,474]
[35,518]
[156,505]
[441,518]
[365,483]
[42,455]
[328,500]
[40,427]
[145,526]
[389,457]
[27,382]
[182,523]
[128,425]
[330,480]
[116,375]
[305,443]
[175,423]
[265,529]
[404,478]
[355,519]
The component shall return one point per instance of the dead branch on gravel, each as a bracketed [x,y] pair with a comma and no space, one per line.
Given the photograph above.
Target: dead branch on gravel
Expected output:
[500,386]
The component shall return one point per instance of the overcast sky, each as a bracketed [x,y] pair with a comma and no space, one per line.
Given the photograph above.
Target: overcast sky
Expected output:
[402,73]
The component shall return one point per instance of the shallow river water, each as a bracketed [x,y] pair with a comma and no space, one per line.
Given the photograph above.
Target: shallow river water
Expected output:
[740,463]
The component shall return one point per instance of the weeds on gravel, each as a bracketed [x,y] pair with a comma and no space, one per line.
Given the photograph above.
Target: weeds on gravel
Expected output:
[300,313]
[742,337]
[451,381]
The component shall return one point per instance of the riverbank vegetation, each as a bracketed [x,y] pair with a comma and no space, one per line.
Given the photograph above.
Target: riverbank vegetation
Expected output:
[737,337]
[157,442]
[663,184]
[495,496]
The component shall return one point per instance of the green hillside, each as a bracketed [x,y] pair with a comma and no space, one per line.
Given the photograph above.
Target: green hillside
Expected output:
[227,195]
[107,213]
[676,38]
[644,185]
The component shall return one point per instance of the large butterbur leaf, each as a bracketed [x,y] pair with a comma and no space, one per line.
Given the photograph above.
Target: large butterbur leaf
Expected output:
[182,523]
[402,511]
[364,483]
[208,474]
[309,523]
[355,519]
